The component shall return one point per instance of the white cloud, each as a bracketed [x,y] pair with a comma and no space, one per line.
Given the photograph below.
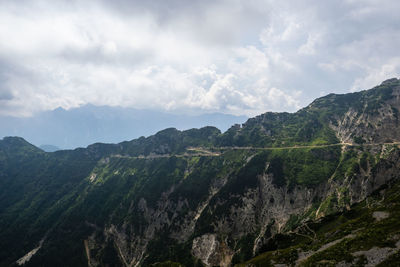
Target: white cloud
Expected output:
[309,47]
[240,57]
[375,75]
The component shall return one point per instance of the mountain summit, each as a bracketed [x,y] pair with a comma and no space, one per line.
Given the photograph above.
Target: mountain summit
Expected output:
[315,187]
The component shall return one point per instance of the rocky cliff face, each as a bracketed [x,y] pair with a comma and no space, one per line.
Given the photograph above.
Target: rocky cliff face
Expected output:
[153,200]
[371,124]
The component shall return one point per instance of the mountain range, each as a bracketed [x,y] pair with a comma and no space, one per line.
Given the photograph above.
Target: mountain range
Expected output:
[79,127]
[318,187]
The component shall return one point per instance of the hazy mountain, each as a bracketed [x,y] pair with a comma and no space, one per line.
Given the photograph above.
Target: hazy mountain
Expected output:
[49,148]
[89,124]
[318,187]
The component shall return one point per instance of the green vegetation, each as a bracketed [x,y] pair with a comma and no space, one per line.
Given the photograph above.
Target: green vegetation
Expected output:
[308,167]
[359,140]
[280,130]
[167,264]
[163,251]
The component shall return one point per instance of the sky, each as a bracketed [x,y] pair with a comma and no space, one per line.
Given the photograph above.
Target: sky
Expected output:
[241,57]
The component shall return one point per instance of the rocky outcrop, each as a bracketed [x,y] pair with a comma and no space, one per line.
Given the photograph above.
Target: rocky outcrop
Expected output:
[211,251]
[368,124]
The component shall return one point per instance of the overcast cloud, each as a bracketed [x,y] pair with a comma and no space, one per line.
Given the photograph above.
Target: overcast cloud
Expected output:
[239,57]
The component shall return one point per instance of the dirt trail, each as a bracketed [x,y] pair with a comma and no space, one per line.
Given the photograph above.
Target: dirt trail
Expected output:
[303,256]
[158,156]
[217,151]
[205,150]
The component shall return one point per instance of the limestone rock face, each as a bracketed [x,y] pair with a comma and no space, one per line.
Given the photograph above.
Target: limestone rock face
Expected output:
[211,251]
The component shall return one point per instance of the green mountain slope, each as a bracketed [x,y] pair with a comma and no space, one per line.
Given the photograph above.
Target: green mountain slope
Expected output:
[205,198]
[368,233]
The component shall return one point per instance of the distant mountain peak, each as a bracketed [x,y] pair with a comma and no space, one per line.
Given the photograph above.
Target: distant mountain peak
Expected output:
[49,148]
[13,140]
[15,143]
[59,109]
